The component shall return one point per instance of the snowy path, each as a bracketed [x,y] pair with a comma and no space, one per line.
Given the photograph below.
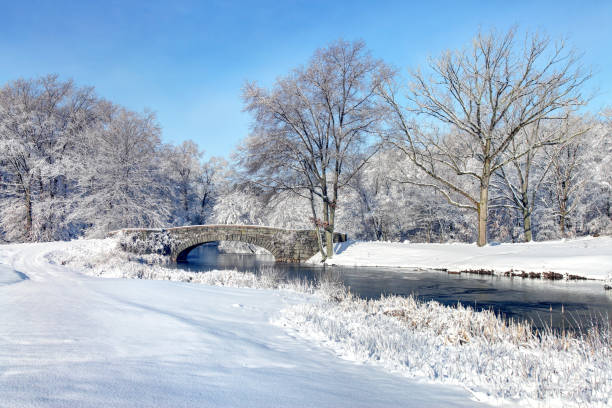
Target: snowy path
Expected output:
[68,340]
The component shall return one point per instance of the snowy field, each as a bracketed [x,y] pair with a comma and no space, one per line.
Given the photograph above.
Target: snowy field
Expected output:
[586,257]
[157,338]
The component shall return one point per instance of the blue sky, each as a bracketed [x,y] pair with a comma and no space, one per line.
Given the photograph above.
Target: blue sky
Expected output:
[187,60]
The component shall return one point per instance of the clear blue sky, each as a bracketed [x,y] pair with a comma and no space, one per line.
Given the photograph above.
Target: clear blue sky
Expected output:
[187,60]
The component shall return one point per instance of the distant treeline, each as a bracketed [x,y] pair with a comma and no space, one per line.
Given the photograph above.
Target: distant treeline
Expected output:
[490,142]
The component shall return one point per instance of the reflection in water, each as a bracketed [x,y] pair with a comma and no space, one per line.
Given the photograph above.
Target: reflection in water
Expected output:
[537,301]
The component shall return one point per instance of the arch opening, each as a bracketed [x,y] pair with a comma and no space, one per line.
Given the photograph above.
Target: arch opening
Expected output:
[225,246]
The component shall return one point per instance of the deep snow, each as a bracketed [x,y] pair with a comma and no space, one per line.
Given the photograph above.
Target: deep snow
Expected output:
[67,339]
[587,257]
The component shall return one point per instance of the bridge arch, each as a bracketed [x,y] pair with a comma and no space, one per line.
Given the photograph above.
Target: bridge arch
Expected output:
[184,248]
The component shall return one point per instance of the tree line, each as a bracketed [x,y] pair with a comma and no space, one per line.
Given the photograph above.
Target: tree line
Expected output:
[491,141]
[73,163]
[474,126]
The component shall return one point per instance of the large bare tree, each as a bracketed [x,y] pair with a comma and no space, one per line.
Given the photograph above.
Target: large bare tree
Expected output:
[311,127]
[457,124]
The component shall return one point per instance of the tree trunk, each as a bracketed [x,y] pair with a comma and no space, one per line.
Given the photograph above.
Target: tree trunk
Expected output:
[563,213]
[562,225]
[483,213]
[317,226]
[527,224]
[329,243]
[326,229]
[28,207]
[329,232]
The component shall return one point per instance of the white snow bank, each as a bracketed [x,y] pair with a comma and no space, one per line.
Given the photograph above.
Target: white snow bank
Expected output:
[9,276]
[586,257]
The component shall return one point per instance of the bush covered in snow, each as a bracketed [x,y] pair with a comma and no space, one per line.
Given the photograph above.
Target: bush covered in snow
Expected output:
[146,242]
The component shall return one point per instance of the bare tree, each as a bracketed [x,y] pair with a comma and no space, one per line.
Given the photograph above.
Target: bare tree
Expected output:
[566,180]
[529,166]
[311,127]
[474,105]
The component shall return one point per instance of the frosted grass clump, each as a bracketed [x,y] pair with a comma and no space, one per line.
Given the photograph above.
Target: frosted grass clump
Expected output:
[104,258]
[495,359]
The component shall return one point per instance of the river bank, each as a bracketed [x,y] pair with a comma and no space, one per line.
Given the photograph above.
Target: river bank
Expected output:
[589,258]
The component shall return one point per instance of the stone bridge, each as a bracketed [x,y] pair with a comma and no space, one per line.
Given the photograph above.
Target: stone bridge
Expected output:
[285,245]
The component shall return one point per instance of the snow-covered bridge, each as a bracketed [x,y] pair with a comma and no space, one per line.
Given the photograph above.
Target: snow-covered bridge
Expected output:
[286,245]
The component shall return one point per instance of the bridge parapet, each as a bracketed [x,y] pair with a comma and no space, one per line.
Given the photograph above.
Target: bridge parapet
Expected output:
[285,245]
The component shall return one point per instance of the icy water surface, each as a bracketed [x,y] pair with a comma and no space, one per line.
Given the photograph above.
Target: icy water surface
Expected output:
[538,301]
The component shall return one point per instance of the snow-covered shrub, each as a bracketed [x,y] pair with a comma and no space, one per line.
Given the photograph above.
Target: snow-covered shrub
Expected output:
[156,242]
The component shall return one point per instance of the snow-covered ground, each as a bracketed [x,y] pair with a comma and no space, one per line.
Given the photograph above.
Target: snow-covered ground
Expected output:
[157,338]
[71,340]
[587,257]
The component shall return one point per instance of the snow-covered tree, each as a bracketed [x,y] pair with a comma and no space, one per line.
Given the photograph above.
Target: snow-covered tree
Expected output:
[242,205]
[71,163]
[599,203]
[40,120]
[565,183]
[121,184]
[211,183]
[310,128]
[379,207]
[474,105]
[518,183]
[183,164]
